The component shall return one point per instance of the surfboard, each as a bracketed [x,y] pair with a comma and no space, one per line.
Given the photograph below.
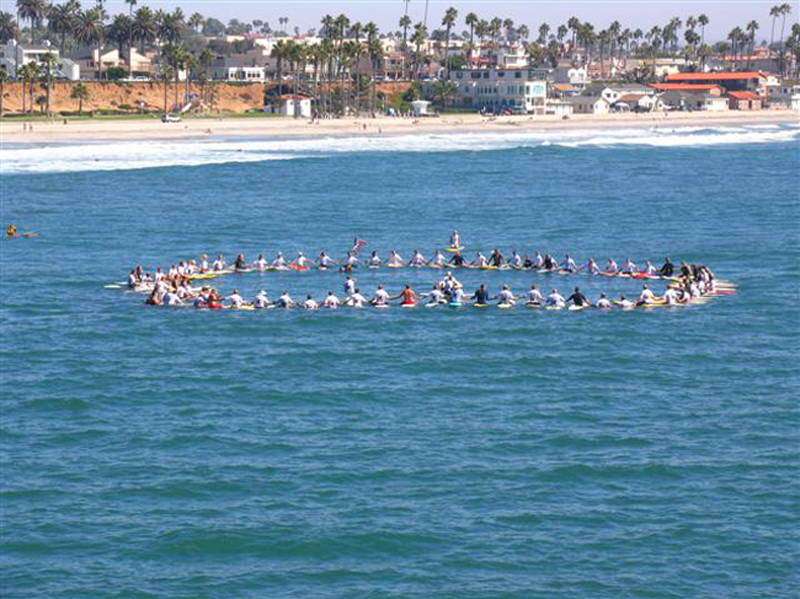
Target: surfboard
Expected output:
[453,250]
[480,305]
[505,306]
[409,305]
[455,304]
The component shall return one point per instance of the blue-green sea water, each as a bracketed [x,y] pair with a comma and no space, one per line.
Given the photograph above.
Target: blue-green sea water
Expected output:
[402,453]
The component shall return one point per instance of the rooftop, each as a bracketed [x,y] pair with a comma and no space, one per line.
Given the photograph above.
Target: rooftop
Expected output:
[721,76]
[744,95]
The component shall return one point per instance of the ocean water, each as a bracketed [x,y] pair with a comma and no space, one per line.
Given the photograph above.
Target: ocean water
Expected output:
[401,453]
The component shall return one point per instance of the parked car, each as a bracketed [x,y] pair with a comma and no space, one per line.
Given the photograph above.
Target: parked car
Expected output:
[170,118]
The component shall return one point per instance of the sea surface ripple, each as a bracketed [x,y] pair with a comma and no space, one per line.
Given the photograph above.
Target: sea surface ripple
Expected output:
[400,453]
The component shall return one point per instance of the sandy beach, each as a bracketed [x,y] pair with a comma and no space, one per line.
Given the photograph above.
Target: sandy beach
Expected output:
[89,130]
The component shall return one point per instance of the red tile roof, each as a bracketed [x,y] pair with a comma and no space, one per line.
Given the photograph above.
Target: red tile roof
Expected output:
[744,95]
[726,76]
[684,86]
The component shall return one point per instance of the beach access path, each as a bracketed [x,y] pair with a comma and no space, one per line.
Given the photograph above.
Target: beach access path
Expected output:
[59,130]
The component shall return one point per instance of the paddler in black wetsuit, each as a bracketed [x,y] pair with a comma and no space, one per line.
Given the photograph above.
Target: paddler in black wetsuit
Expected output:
[578,298]
[458,260]
[549,263]
[240,263]
[481,295]
[527,263]
[668,269]
[496,259]
[686,271]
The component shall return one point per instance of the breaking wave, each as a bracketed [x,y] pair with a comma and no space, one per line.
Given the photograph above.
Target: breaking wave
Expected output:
[106,156]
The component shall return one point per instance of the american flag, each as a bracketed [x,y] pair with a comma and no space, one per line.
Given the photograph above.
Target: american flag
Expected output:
[358,245]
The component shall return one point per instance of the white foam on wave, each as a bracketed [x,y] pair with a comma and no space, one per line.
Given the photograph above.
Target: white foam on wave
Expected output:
[106,156]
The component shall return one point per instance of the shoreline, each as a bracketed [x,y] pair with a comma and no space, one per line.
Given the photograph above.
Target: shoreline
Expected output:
[286,127]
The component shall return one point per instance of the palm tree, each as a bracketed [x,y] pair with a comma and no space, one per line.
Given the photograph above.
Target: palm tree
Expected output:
[419,37]
[8,27]
[145,27]
[166,75]
[121,31]
[29,73]
[544,29]
[131,4]
[170,26]
[575,25]
[280,51]
[774,12]
[89,30]
[448,21]
[751,29]
[196,21]
[34,11]
[61,21]
[561,33]
[784,10]
[523,32]
[589,37]
[702,20]
[735,36]
[375,50]
[49,64]
[445,90]
[80,93]
[204,61]
[4,78]
[471,20]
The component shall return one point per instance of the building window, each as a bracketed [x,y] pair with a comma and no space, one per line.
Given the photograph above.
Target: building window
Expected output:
[518,75]
[459,75]
[476,75]
[501,73]
[486,75]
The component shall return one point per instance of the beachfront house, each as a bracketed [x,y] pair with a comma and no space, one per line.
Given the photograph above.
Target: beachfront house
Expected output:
[522,91]
[744,101]
[589,105]
[577,77]
[638,103]
[613,93]
[785,95]
[754,81]
[556,107]
[694,100]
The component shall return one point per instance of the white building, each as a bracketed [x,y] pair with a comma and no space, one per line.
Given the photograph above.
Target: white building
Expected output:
[575,76]
[421,108]
[518,90]
[589,105]
[290,105]
[15,56]
[686,100]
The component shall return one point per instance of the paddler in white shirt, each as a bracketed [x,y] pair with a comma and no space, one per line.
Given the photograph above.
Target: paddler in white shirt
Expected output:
[261,263]
[438,259]
[555,299]
[331,302]
[417,260]
[569,264]
[381,297]
[630,266]
[279,261]
[534,296]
